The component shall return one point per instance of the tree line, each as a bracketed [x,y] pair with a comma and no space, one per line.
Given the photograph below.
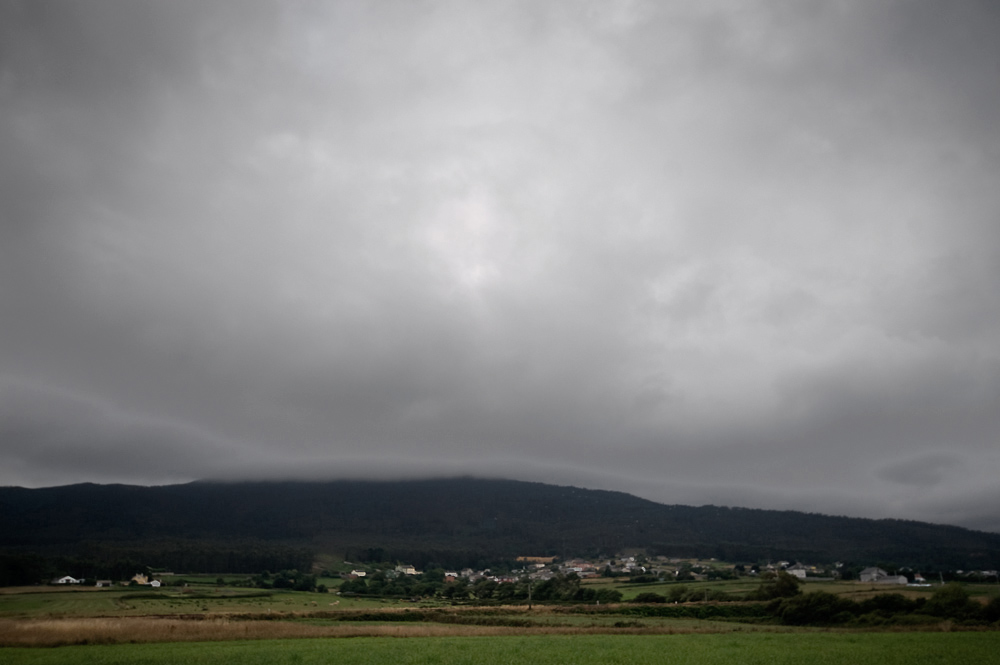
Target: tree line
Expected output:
[559,588]
[785,603]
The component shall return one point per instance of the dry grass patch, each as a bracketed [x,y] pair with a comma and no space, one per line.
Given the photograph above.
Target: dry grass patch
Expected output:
[55,632]
[124,630]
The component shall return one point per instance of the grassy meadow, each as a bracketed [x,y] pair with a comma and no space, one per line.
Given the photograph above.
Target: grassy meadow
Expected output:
[208,622]
[25,602]
[204,597]
[746,648]
[853,590]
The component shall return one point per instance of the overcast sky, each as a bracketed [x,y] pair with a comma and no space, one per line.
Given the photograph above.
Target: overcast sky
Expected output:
[732,252]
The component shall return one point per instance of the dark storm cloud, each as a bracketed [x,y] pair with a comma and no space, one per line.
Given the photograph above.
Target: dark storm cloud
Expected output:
[733,253]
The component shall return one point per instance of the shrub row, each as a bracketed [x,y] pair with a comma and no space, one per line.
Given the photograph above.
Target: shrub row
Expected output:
[821,608]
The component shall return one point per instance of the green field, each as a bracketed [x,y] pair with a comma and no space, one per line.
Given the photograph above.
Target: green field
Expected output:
[854,590]
[204,597]
[630,591]
[746,649]
[124,601]
[206,622]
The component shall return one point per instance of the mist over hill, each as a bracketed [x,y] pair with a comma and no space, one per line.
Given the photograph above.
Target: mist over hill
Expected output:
[477,517]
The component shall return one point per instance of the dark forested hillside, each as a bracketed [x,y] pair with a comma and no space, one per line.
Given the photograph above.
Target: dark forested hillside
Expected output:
[464,515]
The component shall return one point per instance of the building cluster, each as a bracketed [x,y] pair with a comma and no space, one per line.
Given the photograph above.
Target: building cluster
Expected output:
[662,568]
[544,568]
[659,567]
[139,578]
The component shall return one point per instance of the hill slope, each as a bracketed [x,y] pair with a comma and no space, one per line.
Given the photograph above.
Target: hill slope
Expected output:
[489,517]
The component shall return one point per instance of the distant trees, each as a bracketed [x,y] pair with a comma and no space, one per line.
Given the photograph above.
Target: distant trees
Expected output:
[354,586]
[457,590]
[24,569]
[818,607]
[685,573]
[560,588]
[775,585]
[720,574]
[286,579]
[950,602]
[682,594]
[649,597]
[567,588]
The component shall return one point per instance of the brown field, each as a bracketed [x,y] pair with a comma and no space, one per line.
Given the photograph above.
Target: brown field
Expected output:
[59,632]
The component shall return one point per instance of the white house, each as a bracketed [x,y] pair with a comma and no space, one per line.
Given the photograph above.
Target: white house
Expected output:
[798,570]
[66,580]
[879,576]
[872,574]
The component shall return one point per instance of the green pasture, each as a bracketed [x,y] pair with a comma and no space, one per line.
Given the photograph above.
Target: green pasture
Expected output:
[332,583]
[744,648]
[143,601]
[205,598]
[580,621]
[204,579]
[61,603]
[742,586]
[630,591]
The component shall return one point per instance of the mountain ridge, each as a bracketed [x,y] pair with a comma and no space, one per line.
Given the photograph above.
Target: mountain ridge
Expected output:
[468,514]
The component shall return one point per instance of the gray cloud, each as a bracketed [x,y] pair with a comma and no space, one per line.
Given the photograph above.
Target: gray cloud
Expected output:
[928,470]
[743,255]
[54,434]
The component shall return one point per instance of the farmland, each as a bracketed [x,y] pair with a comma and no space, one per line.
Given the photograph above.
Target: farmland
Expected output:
[34,602]
[219,619]
[749,648]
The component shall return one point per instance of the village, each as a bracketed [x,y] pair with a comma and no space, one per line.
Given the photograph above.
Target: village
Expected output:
[640,568]
[634,568]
